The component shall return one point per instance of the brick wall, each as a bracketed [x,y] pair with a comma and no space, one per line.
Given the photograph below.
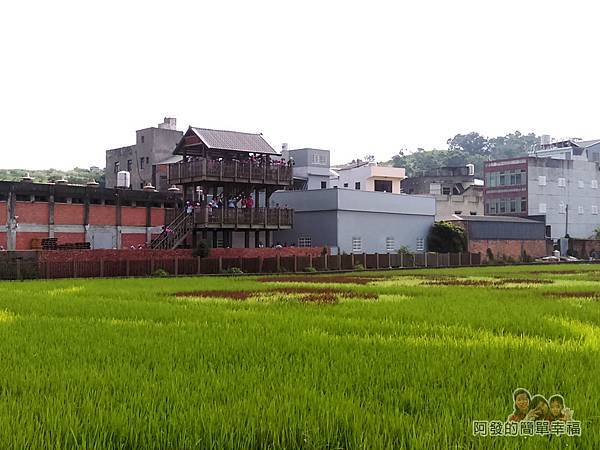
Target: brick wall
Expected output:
[146,254]
[157,217]
[135,239]
[264,252]
[28,212]
[70,238]
[583,247]
[509,248]
[2,213]
[131,216]
[68,214]
[103,215]
[24,239]
[3,239]
[111,255]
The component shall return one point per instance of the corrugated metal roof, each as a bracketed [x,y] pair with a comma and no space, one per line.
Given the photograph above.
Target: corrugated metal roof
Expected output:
[585,144]
[512,219]
[234,140]
[171,160]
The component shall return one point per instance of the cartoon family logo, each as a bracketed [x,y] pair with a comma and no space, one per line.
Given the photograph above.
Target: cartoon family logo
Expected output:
[531,416]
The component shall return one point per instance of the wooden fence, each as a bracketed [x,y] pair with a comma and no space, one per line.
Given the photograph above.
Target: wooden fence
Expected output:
[279,264]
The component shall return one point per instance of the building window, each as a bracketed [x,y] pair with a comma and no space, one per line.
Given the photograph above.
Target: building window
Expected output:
[345,184]
[142,139]
[594,184]
[390,245]
[129,165]
[513,205]
[117,167]
[580,184]
[323,184]
[458,213]
[319,159]
[383,185]
[541,180]
[420,244]
[562,208]
[542,208]
[357,185]
[142,163]
[147,160]
[580,210]
[548,231]
[523,204]
[304,241]
[356,245]
[594,209]
[562,182]
[445,191]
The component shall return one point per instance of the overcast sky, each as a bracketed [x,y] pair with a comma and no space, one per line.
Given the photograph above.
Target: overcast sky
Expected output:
[77,78]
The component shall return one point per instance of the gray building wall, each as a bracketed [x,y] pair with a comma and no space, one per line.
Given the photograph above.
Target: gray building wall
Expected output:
[337,217]
[580,192]
[311,164]
[153,145]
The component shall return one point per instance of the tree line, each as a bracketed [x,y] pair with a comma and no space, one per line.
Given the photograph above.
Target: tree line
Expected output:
[77,175]
[471,148]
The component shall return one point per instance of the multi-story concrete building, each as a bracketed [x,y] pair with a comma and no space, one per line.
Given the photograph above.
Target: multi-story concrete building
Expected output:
[311,167]
[356,221]
[456,190]
[368,176]
[564,192]
[147,160]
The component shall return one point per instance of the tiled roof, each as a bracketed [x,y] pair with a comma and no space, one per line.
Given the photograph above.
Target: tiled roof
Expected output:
[234,140]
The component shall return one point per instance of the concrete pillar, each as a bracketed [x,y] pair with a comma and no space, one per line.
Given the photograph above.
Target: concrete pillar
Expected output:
[11,223]
[51,216]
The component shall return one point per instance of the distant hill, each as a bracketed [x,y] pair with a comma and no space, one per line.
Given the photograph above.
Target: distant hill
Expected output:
[74,176]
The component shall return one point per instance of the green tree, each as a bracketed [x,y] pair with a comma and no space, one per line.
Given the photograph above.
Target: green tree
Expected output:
[446,237]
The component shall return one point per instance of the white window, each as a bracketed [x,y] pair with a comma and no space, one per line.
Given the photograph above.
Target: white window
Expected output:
[580,184]
[580,210]
[542,180]
[594,209]
[594,184]
[420,244]
[304,241]
[356,245]
[562,182]
[319,159]
[562,208]
[542,208]
[390,244]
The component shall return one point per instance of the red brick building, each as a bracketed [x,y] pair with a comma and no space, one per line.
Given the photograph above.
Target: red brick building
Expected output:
[106,218]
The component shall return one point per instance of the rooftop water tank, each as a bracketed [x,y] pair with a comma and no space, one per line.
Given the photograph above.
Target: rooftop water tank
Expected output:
[123,179]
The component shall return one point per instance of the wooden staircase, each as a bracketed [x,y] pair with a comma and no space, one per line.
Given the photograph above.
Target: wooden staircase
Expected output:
[180,229]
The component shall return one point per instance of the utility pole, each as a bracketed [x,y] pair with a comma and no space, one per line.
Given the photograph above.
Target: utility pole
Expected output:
[567,220]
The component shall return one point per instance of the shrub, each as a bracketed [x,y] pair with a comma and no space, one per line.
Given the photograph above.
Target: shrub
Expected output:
[446,237]
[310,269]
[404,250]
[202,249]
[160,273]
[359,267]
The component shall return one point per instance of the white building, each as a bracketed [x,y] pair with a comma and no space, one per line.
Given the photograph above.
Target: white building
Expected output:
[368,176]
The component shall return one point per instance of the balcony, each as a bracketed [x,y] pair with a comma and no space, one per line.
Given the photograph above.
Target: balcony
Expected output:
[201,170]
[241,218]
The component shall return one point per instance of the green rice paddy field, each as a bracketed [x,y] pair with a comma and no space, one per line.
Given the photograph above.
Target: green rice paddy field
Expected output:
[402,359]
